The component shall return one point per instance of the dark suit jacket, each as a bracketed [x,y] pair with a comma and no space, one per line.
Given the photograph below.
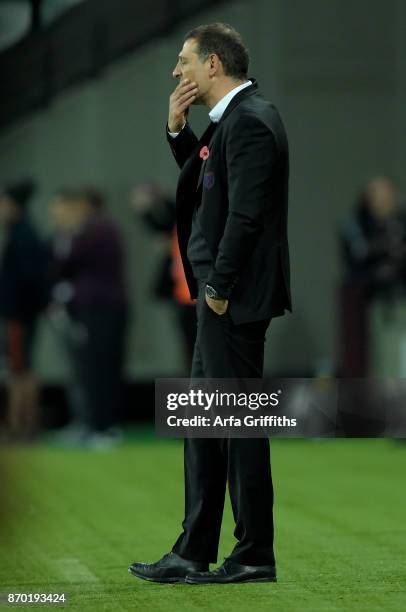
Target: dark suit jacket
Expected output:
[243,190]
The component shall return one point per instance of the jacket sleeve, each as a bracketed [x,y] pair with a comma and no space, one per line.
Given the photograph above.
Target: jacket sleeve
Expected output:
[251,160]
[182,145]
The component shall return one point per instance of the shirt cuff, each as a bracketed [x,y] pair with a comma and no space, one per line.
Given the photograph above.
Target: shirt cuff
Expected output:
[174,134]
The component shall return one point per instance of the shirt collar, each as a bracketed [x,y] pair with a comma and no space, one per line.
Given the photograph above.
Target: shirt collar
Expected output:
[217,111]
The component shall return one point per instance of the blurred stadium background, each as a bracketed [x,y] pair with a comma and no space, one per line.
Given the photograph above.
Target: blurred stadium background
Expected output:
[85,86]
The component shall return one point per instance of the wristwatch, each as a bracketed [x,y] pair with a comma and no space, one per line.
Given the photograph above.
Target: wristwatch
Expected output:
[212,293]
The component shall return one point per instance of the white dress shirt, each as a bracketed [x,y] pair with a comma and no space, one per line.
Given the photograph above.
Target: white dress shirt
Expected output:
[217,111]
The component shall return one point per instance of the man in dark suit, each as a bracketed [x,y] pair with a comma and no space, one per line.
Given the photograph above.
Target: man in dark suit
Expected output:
[232,203]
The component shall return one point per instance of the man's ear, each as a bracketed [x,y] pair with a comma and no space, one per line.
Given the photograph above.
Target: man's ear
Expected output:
[214,64]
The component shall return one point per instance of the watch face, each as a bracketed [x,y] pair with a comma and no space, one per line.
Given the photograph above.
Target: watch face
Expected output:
[210,291]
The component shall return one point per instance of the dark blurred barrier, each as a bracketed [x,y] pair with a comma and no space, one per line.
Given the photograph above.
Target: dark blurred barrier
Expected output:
[136,404]
[79,45]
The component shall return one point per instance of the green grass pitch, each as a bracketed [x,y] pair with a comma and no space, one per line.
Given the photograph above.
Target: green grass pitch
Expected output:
[73,520]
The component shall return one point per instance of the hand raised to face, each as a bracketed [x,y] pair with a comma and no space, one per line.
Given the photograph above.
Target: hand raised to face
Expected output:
[179,101]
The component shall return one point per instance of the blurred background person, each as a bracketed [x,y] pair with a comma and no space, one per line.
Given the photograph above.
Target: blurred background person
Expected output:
[23,296]
[373,248]
[68,332]
[89,286]
[157,210]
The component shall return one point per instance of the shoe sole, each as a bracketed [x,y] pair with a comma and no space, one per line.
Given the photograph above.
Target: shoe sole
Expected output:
[160,580]
[231,581]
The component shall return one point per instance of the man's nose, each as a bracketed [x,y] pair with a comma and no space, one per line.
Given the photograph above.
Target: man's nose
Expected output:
[176,72]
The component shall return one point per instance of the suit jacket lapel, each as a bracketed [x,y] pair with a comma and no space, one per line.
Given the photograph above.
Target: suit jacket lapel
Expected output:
[209,146]
[201,175]
[192,172]
[244,93]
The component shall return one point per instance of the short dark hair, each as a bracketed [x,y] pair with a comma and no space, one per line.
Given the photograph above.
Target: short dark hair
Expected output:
[93,196]
[224,41]
[20,192]
[67,194]
[90,194]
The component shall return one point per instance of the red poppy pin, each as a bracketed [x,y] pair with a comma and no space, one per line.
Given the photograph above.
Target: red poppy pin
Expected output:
[204,153]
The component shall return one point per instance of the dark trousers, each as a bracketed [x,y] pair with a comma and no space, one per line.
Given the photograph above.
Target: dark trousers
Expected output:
[225,350]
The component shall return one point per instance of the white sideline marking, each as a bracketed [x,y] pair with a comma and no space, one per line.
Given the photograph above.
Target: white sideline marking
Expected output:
[74,570]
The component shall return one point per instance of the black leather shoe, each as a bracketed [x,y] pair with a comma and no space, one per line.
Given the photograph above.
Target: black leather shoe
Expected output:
[171,568]
[231,571]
